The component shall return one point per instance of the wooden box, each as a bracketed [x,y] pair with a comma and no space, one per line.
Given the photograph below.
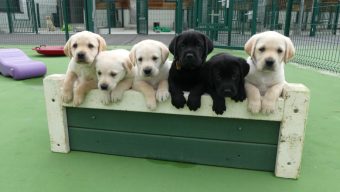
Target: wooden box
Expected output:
[235,139]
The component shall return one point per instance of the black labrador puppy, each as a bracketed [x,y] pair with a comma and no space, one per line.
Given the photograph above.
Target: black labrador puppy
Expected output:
[224,75]
[190,50]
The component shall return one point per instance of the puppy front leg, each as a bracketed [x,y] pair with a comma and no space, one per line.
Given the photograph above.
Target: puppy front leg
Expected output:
[219,105]
[254,98]
[177,96]
[117,93]
[67,91]
[106,97]
[162,93]
[194,98]
[82,89]
[269,99]
[148,92]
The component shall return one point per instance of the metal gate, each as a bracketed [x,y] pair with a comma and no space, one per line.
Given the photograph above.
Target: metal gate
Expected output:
[26,22]
[227,22]
[142,17]
[212,18]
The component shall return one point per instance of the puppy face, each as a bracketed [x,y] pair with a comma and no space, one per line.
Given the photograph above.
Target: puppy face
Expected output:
[227,75]
[269,50]
[149,56]
[84,47]
[190,49]
[111,68]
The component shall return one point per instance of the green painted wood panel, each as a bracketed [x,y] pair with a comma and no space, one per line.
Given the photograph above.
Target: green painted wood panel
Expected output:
[201,151]
[215,128]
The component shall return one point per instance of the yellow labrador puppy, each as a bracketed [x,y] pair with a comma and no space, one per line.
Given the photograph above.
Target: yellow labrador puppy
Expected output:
[151,70]
[268,51]
[82,48]
[49,23]
[114,74]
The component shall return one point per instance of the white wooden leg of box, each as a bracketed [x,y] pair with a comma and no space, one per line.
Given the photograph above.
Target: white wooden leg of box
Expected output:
[56,115]
[292,131]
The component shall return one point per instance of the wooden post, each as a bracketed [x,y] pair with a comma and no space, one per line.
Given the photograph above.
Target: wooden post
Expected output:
[292,131]
[56,115]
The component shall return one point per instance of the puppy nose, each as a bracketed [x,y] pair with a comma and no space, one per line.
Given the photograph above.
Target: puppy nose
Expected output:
[269,62]
[147,71]
[104,86]
[227,91]
[81,55]
[189,56]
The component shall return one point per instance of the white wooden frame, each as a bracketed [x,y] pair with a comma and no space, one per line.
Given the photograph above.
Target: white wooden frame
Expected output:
[291,111]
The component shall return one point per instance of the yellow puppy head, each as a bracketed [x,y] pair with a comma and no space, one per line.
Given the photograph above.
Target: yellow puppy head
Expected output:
[84,46]
[112,67]
[269,50]
[149,56]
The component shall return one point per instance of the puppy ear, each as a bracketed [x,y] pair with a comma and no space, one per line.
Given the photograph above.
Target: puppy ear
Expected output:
[165,52]
[290,49]
[67,48]
[172,46]
[127,65]
[209,46]
[102,43]
[249,47]
[211,78]
[244,69]
[132,55]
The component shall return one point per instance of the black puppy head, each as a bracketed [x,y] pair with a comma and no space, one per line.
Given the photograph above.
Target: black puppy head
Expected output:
[190,49]
[227,76]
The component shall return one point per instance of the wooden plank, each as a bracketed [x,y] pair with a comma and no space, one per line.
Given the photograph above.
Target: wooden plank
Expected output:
[176,125]
[134,101]
[292,131]
[56,116]
[202,151]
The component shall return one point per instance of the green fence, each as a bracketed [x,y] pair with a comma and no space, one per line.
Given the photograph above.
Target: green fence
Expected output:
[313,25]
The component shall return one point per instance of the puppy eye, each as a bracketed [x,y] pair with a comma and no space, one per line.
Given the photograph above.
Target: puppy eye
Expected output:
[154,58]
[90,46]
[75,45]
[140,59]
[112,74]
[99,73]
[262,49]
[279,50]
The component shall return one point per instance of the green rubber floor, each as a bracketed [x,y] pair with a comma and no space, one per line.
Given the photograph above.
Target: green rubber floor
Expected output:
[28,165]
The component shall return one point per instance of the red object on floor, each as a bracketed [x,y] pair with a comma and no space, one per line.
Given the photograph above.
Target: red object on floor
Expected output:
[50,50]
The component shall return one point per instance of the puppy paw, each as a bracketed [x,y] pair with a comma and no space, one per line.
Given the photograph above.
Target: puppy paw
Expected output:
[67,96]
[239,98]
[151,104]
[219,108]
[254,106]
[106,100]
[162,95]
[116,96]
[178,101]
[77,100]
[194,103]
[267,106]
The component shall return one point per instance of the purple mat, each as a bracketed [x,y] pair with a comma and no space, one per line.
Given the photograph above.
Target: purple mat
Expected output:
[16,64]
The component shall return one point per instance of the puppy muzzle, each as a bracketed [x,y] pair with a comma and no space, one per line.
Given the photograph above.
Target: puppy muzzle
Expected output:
[147,71]
[269,64]
[227,92]
[104,87]
[81,58]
